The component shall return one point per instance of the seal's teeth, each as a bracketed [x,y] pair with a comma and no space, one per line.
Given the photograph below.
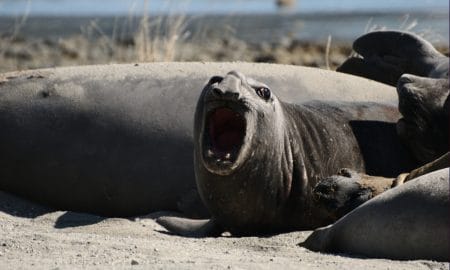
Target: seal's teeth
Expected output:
[209,153]
[228,156]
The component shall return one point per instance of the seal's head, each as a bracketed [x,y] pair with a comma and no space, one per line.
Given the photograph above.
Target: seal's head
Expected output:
[424,104]
[243,160]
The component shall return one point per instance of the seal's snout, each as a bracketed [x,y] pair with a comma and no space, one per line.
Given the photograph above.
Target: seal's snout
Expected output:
[220,92]
[227,88]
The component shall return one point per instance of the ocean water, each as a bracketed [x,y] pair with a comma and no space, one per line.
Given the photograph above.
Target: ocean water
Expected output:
[251,20]
[123,7]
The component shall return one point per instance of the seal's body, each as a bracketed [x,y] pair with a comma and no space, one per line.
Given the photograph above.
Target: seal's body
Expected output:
[118,140]
[257,158]
[408,222]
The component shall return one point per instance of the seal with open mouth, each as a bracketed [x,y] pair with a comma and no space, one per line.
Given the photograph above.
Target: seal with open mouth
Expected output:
[256,157]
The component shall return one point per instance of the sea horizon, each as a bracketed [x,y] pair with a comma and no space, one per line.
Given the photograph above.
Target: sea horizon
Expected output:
[249,20]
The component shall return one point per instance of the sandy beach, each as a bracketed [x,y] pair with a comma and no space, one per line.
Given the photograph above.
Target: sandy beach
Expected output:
[33,237]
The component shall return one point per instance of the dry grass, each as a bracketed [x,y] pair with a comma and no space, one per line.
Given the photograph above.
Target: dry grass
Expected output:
[141,37]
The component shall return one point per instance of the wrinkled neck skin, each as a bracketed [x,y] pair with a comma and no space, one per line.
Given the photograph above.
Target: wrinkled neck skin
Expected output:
[286,150]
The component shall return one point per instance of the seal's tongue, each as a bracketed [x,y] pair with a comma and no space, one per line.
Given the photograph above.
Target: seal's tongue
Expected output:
[226,132]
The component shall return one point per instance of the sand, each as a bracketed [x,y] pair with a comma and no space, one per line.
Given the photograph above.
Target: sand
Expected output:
[34,237]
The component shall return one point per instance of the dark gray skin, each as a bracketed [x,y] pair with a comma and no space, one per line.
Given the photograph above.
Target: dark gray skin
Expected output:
[423,102]
[258,158]
[387,55]
[409,222]
[99,150]
[424,105]
[117,140]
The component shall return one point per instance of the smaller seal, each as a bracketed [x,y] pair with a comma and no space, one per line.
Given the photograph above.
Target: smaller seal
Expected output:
[339,194]
[409,222]
[387,55]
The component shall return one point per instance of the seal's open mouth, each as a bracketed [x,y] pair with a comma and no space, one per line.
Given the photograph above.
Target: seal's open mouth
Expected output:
[224,136]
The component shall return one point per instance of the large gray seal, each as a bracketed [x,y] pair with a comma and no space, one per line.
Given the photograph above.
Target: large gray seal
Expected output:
[408,222]
[257,157]
[117,140]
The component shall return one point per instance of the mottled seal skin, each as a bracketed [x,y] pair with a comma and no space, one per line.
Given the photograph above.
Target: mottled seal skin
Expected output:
[257,158]
[408,222]
[387,55]
[117,140]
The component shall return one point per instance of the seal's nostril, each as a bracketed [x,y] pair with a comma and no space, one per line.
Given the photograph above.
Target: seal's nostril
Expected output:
[217,91]
[220,93]
[234,95]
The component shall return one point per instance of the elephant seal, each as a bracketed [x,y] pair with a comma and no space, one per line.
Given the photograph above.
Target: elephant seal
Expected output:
[425,107]
[423,102]
[257,158]
[408,222]
[117,140]
[339,194]
[387,55]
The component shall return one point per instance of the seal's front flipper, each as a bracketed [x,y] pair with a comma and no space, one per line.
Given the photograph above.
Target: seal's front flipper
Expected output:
[318,240]
[191,227]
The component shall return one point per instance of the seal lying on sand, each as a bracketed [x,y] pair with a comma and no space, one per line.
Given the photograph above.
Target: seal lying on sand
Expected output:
[117,140]
[257,158]
[387,55]
[340,194]
[408,222]
[424,104]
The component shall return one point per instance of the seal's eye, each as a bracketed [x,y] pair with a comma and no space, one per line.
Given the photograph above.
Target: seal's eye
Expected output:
[215,79]
[263,92]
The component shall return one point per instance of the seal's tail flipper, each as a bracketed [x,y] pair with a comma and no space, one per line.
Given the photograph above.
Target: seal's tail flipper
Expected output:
[386,55]
[393,43]
[386,73]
